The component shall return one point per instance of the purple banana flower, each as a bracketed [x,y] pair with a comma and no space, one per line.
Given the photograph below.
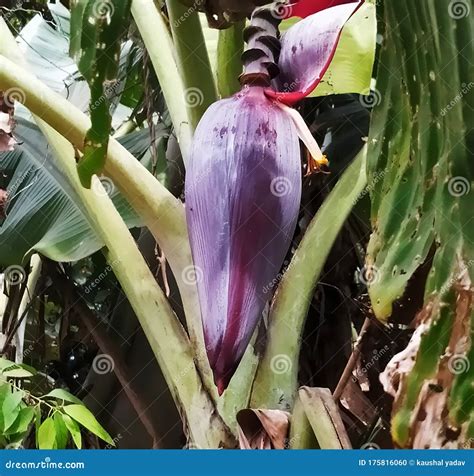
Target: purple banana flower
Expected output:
[243,183]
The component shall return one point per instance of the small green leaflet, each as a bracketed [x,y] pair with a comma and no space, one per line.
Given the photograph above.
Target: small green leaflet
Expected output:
[47,435]
[62,394]
[61,431]
[74,430]
[97,27]
[23,421]
[11,408]
[84,417]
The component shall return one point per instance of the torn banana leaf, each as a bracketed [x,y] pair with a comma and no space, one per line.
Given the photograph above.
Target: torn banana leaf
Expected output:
[421,178]
[41,211]
[97,28]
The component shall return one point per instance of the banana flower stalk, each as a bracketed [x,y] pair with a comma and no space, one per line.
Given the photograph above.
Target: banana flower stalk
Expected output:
[243,183]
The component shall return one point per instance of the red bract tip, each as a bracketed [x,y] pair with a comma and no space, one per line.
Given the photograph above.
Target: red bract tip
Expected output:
[221,386]
[305,8]
[308,47]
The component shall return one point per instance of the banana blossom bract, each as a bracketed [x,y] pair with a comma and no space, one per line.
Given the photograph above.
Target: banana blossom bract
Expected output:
[243,185]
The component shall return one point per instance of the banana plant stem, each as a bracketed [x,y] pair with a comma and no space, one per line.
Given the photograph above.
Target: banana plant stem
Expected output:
[192,59]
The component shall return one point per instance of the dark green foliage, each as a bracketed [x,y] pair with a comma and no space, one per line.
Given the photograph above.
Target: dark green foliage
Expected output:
[421,177]
[97,28]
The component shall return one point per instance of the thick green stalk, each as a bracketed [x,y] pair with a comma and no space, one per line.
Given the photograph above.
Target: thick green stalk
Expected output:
[162,213]
[192,59]
[28,296]
[316,421]
[277,376]
[155,35]
[166,218]
[230,47]
[163,330]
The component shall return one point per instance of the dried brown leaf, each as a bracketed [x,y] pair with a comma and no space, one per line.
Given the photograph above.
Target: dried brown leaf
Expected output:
[354,400]
[430,423]
[262,429]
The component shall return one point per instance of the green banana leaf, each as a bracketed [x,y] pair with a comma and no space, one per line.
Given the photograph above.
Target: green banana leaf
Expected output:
[46,50]
[97,30]
[351,68]
[42,212]
[421,178]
